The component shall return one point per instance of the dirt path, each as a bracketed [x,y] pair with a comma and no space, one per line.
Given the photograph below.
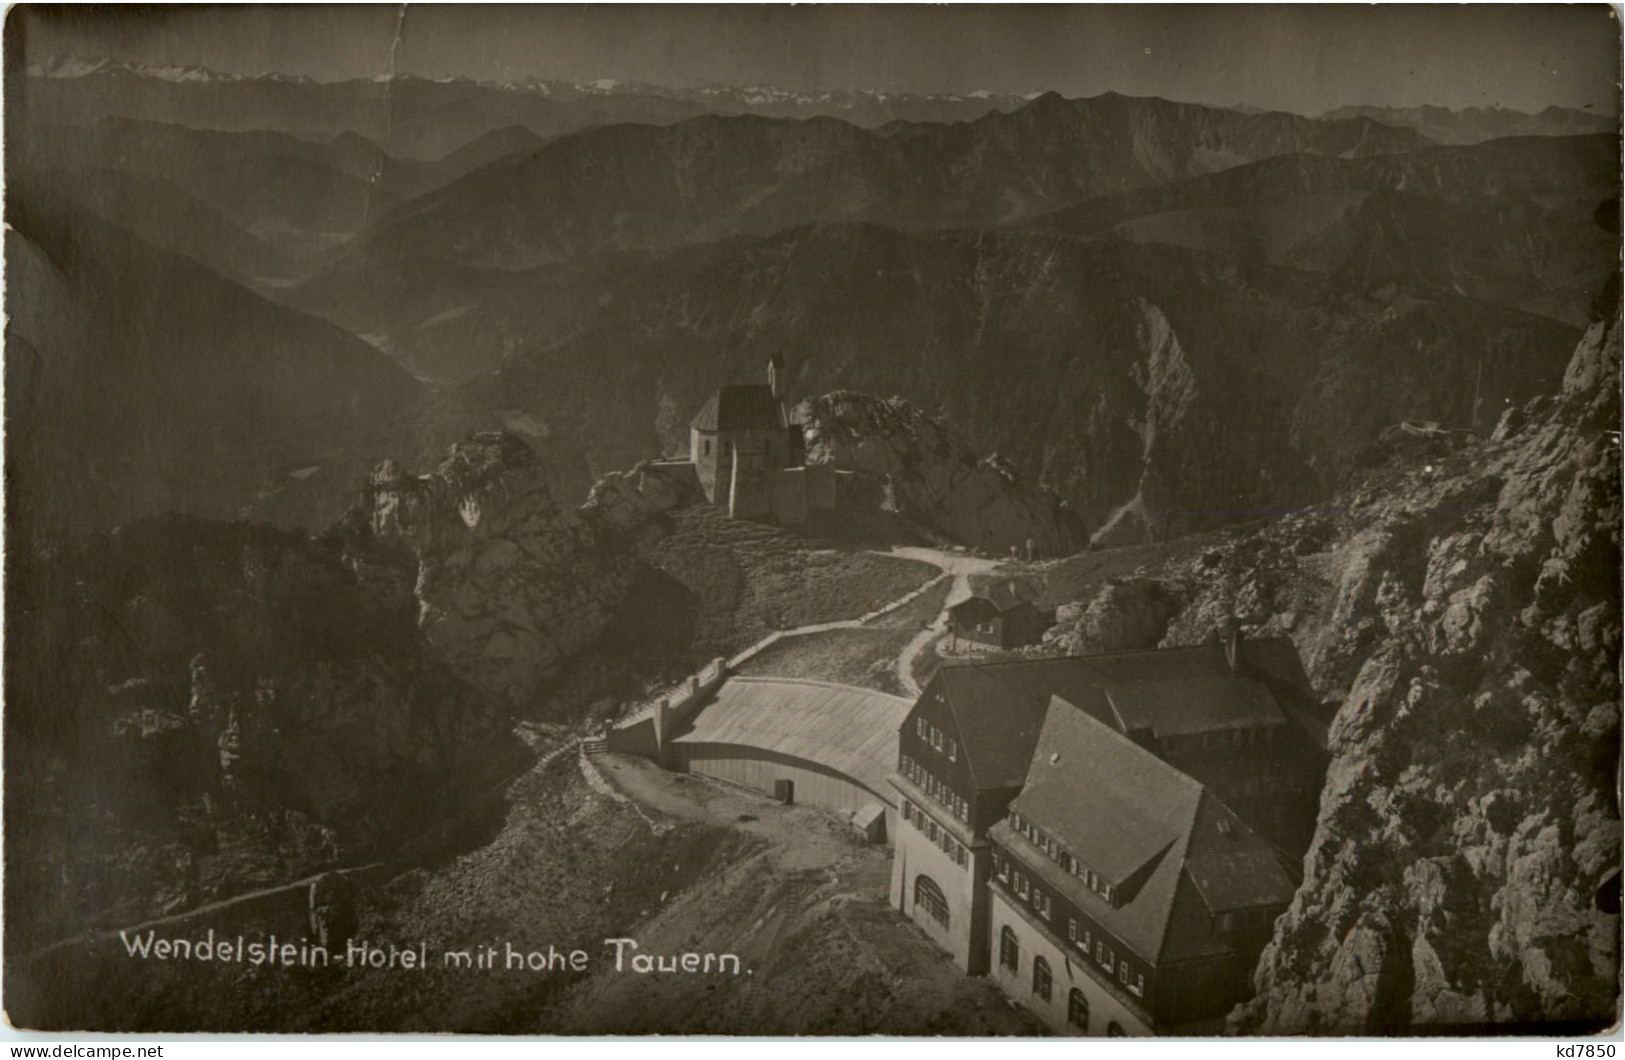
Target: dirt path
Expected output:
[961,566]
[799,837]
[805,909]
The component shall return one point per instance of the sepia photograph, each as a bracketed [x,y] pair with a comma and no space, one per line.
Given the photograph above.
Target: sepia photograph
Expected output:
[966,520]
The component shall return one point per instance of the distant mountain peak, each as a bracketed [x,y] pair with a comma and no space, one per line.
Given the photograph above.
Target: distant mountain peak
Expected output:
[1471,125]
[75,66]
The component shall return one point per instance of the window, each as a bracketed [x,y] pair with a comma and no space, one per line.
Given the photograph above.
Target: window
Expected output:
[1122,972]
[936,738]
[1138,988]
[1003,868]
[1021,886]
[953,750]
[1110,960]
[1071,929]
[919,727]
[1077,1009]
[708,447]
[1083,943]
[1041,978]
[928,896]
[1009,949]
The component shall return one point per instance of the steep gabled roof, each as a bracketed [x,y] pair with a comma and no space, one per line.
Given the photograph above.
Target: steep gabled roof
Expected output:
[743,407]
[1111,802]
[1004,594]
[1125,813]
[1084,766]
[1183,704]
[1231,866]
[999,707]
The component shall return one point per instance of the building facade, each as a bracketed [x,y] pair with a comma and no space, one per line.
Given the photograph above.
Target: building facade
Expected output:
[1053,839]
[742,440]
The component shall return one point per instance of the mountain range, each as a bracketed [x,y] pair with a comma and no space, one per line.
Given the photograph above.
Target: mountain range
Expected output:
[1204,284]
[1472,125]
[1511,222]
[631,187]
[425,118]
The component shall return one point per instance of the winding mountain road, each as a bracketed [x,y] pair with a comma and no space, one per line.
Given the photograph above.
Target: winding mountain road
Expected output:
[961,566]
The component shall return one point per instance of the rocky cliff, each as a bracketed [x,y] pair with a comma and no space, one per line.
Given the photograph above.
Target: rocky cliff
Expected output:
[510,581]
[1470,820]
[983,502]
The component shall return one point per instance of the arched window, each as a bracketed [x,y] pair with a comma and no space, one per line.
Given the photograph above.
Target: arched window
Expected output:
[1115,1030]
[1009,949]
[1041,978]
[1077,1010]
[930,897]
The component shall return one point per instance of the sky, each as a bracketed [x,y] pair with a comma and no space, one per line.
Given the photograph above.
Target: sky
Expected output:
[1303,58]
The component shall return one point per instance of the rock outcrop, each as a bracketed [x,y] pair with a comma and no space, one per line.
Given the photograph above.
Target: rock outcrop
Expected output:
[978,501]
[510,582]
[631,501]
[1127,614]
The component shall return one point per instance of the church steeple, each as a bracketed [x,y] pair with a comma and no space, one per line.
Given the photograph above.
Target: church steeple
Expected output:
[775,374]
